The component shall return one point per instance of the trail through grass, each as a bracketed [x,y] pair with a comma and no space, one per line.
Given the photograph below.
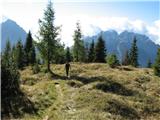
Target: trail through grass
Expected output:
[93,92]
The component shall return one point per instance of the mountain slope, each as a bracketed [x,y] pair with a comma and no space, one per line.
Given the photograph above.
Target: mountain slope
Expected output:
[93,92]
[119,43]
[12,31]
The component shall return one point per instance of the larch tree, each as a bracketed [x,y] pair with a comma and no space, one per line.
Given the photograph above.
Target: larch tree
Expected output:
[48,34]
[78,47]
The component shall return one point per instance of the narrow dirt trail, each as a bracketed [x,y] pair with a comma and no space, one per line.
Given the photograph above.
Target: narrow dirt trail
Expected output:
[60,98]
[66,103]
[67,108]
[70,105]
[59,92]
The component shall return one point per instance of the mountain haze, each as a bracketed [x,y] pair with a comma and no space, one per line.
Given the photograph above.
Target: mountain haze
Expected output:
[12,31]
[115,43]
[119,43]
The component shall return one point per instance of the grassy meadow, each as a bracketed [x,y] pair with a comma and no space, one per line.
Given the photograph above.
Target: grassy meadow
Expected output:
[93,92]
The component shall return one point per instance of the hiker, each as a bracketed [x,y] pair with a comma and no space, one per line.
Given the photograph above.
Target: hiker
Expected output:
[67,67]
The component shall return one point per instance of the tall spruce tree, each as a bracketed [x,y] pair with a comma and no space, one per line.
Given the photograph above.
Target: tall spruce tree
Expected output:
[7,53]
[30,55]
[19,55]
[156,65]
[48,34]
[100,50]
[91,54]
[134,53]
[28,46]
[68,55]
[78,47]
[126,59]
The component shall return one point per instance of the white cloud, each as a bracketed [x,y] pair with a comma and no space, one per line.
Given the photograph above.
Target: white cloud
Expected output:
[154,31]
[92,25]
[27,12]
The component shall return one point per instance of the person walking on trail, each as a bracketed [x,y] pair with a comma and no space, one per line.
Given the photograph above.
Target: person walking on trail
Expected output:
[67,67]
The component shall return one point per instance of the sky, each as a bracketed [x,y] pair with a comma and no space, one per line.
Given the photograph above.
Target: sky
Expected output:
[141,16]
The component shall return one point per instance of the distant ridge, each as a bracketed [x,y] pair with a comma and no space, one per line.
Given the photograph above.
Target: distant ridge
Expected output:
[119,43]
[12,31]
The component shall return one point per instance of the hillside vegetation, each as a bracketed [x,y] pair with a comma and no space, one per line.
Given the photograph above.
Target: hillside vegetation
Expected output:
[93,92]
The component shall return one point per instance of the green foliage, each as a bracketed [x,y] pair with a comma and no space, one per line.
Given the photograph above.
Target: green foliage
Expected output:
[36,68]
[126,60]
[68,55]
[112,60]
[10,75]
[59,55]
[100,50]
[134,54]
[78,47]
[19,55]
[9,79]
[156,65]
[48,34]
[82,52]
[30,55]
[7,53]
[91,53]
[13,101]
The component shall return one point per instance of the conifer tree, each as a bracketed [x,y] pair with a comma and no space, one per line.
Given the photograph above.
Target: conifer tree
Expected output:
[149,64]
[91,54]
[134,53]
[9,81]
[86,46]
[28,46]
[48,34]
[78,47]
[126,60]
[77,41]
[68,55]
[9,77]
[7,52]
[19,55]
[59,57]
[156,66]
[10,74]
[112,60]
[30,55]
[100,50]
[82,52]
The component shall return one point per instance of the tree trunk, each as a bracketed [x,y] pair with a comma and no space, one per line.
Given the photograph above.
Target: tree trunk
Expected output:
[48,66]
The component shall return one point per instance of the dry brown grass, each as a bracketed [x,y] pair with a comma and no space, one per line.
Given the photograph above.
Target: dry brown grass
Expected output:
[94,92]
